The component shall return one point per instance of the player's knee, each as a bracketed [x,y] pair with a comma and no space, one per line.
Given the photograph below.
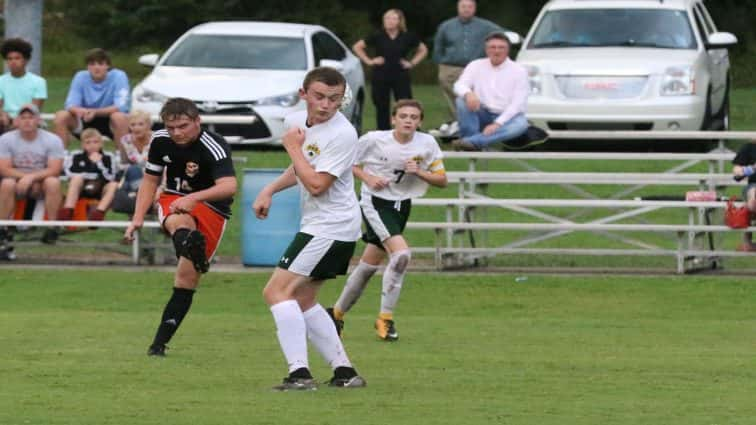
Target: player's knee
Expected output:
[179,236]
[400,260]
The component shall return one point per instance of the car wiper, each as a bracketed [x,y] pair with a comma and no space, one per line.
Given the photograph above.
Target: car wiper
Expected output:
[560,44]
[633,43]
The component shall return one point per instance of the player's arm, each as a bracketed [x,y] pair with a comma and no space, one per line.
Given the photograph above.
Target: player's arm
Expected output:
[144,199]
[374,182]
[435,175]
[264,199]
[313,181]
[7,170]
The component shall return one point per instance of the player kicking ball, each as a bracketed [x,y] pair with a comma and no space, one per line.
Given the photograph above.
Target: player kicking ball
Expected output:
[394,166]
[322,145]
[193,208]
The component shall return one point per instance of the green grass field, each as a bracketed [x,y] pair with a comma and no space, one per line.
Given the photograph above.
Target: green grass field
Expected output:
[474,349]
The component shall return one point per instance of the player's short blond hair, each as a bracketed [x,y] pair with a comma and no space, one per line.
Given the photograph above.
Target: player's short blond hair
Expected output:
[90,132]
[140,115]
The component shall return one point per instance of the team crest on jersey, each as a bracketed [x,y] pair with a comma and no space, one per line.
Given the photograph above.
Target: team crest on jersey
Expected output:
[418,158]
[192,168]
[312,150]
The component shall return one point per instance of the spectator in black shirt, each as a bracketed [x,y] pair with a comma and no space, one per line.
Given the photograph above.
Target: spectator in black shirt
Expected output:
[391,68]
[91,174]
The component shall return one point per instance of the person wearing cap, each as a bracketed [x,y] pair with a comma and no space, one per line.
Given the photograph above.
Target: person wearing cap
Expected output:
[459,41]
[98,98]
[18,86]
[31,160]
[492,94]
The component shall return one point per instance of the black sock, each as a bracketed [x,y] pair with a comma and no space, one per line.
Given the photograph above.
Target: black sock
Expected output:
[179,236]
[343,372]
[173,314]
[302,373]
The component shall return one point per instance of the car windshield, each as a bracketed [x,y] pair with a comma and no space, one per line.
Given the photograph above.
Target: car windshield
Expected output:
[238,51]
[658,28]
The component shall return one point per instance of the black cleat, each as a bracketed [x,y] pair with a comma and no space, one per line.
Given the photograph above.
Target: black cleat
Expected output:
[339,324]
[157,350]
[193,248]
[346,377]
[298,384]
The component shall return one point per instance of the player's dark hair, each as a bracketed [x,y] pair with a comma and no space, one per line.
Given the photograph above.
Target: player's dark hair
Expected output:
[176,107]
[97,55]
[16,45]
[408,102]
[325,75]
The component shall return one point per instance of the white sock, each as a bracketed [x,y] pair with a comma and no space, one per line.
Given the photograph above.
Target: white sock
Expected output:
[322,334]
[393,277]
[355,284]
[292,333]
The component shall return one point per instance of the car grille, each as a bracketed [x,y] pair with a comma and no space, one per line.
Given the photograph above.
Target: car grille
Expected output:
[601,87]
[256,130]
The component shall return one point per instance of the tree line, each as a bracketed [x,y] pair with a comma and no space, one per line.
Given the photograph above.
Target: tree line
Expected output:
[126,24]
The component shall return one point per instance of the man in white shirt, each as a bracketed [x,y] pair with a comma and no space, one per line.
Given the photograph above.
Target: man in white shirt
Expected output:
[492,95]
[322,145]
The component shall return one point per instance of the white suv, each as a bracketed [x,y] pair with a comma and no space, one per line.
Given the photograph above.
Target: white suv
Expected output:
[627,65]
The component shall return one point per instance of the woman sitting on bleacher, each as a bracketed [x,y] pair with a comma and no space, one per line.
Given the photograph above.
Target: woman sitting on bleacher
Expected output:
[91,174]
[134,149]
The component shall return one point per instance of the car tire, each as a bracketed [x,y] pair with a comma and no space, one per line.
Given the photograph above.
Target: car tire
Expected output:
[356,118]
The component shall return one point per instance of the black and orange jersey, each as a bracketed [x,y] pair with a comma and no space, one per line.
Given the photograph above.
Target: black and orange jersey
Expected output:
[192,167]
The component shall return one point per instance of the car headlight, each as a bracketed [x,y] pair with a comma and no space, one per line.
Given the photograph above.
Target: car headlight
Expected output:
[146,96]
[285,100]
[534,77]
[678,81]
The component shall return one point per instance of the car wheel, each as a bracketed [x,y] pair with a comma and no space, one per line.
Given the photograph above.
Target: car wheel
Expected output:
[356,118]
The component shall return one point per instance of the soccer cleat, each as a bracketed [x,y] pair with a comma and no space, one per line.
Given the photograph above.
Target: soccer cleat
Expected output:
[96,215]
[157,350]
[193,248]
[386,330]
[339,324]
[65,214]
[353,382]
[298,384]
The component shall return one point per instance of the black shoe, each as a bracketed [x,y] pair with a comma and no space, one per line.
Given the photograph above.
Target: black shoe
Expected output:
[339,324]
[7,254]
[50,236]
[156,350]
[346,377]
[193,248]
[289,383]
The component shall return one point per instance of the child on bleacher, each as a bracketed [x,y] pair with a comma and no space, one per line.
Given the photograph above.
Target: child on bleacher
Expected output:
[91,174]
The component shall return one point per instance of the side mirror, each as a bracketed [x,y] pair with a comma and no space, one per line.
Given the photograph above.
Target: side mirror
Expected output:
[721,40]
[149,60]
[514,38]
[338,66]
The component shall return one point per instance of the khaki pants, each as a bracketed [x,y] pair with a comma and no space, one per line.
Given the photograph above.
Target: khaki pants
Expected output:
[447,76]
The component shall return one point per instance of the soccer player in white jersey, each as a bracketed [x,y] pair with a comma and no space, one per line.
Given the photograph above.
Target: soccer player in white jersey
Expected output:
[394,166]
[322,145]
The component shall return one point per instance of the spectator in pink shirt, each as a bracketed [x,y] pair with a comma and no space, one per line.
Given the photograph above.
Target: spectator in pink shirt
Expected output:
[492,95]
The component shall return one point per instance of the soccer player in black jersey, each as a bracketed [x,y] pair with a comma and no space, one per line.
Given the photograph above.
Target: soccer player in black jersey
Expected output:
[193,208]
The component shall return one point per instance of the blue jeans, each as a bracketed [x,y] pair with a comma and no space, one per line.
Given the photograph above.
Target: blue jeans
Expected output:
[133,178]
[472,123]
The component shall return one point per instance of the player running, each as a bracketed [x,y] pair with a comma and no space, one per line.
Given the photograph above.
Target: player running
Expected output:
[394,166]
